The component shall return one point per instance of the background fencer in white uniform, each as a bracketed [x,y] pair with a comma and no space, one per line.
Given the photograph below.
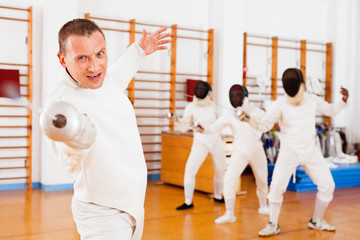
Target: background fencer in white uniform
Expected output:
[247,149]
[296,113]
[94,131]
[203,111]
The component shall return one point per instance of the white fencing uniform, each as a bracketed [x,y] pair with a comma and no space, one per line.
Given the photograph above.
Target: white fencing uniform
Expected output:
[298,144]
[205,112]
[247,149]
[112,173]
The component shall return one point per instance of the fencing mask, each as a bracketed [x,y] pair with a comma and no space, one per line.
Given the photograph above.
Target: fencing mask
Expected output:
[237,95]
[293,83]
[292,79]
[202,89]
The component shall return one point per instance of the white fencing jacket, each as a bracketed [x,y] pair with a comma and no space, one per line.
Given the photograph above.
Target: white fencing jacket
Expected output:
[246,138]
[297,123]
[112,172]
[204,112]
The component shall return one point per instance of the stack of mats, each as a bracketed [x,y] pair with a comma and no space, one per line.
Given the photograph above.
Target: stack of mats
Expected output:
[345,175]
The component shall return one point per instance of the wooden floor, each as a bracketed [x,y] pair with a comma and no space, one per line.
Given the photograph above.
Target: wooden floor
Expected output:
[47,215]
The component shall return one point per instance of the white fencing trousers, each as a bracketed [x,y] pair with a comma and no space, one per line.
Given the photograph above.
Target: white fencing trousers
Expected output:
[96,222]
[315,166]
[198,154]
[238,162]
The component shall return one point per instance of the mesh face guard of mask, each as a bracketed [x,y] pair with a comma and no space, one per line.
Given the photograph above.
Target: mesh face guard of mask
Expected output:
[202,89]
[237,94]
[292,79]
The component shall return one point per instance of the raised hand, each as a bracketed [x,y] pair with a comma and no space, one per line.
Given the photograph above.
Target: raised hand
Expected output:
[153,42]
[345,93]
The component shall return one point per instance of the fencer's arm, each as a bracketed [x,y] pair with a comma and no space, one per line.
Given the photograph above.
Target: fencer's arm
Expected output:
[216,126]
[329,109]
[184,123]
[71,133]
[71,158]
[125,68]
[261,121]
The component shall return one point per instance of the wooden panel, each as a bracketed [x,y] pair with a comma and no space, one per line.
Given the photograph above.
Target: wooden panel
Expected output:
[174,155]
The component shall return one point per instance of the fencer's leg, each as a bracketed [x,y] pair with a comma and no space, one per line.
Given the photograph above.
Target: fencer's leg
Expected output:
[272,228]
[263,203]
[219,159]
[229,215]
[286,163]
[320,174]
[230,206]
[319,210]
[96,222]
[189,192]
[197,156]
[237,164]
[139,228]
[258,165]
[217,190]
[274,212]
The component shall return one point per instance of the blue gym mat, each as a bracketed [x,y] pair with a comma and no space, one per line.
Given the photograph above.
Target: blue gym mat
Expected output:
[345,175]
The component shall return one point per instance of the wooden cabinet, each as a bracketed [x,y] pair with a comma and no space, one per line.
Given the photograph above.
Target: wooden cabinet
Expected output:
[175,149]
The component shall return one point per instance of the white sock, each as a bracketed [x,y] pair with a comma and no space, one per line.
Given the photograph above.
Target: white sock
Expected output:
[274,212]
[262,202]
[319,211]
[230,205]
[217,189]
[189,192]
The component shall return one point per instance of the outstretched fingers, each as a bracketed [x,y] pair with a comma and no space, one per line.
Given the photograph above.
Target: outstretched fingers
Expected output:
[161,36]
[161,47]
[159,31]
[164,42]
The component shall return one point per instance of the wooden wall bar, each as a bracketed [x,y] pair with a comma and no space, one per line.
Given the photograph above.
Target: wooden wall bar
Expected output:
[30,98]
[28,93]
[210,56]
[131,91]
[303,58]
[173,74]
[274,64]
[245,60]
[328,77]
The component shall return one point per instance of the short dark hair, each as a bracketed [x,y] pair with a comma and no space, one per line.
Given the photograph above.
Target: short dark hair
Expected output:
[78,27]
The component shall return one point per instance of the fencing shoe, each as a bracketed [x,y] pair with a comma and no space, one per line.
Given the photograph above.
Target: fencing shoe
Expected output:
[321,225]
[226,218]
[269,230]
[185,206]
[221,200]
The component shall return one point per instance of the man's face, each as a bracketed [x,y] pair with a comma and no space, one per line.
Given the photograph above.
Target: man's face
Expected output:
[86,59]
